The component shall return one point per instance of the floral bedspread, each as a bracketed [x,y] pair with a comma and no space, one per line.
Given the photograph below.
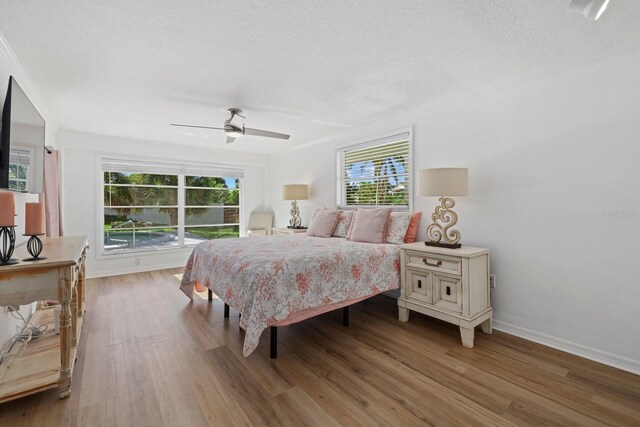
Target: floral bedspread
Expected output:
[270,278]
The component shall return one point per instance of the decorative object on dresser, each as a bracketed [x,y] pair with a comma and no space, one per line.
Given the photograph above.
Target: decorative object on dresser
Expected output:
[443,182]
[47,362]
[448,284]
[295,192]
[34,227]
[282,231]
[7,227]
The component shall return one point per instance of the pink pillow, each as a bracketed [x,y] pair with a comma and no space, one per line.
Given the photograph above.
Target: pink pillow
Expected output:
[344,222]
[324,222]
[410,237]
[397,227]
[368,225]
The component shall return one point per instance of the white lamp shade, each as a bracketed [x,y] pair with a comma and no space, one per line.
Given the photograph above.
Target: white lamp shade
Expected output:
[295,192]
[443,182]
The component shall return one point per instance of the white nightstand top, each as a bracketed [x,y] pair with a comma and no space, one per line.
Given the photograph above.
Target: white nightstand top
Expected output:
[285,230]
[464,252]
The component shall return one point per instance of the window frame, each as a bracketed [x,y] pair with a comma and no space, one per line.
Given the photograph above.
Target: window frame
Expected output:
[380,139]
[181,169]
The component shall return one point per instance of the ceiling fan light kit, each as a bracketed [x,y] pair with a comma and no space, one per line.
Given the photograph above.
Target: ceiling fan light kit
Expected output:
[591,9]
[234,128]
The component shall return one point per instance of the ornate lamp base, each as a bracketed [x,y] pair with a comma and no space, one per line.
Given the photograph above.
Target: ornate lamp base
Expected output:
[7,245]
[295,221]
[444,218]
[34,247]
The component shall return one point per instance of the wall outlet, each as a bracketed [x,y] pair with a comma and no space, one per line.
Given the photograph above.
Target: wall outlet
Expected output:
[492,281]
[136,261]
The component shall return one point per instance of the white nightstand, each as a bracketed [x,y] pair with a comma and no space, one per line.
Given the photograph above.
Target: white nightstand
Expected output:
[279,231]
[449,284]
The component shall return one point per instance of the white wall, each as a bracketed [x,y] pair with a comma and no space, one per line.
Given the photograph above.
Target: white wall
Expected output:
[9,66]
[80,195]
[554,191]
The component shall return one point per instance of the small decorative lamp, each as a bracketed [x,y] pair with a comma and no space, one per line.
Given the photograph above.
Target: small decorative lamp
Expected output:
[443,182]
[295,192]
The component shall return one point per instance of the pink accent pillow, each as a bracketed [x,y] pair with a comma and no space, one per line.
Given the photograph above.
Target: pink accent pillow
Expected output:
[344,222]
[368,225]
[313,216]
[410,237]
[397,227]
[323,223]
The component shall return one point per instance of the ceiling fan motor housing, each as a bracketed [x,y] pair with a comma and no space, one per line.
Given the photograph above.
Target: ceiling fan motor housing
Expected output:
[235,124]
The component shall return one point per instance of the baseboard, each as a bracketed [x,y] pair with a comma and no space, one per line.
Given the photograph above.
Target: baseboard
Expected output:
[137,269]
[596,355]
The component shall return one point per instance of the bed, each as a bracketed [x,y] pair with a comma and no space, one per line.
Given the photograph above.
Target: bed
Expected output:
[276,281]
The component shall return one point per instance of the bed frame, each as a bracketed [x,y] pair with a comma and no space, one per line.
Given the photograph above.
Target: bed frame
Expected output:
[273,330]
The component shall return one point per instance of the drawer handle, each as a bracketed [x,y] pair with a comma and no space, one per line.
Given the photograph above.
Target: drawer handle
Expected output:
[448,290]
[419,283]
[437,264]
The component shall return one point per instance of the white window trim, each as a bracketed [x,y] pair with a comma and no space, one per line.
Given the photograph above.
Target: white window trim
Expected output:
[370,141]
[101,254]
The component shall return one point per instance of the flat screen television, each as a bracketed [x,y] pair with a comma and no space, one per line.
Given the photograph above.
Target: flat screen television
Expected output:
[22,143]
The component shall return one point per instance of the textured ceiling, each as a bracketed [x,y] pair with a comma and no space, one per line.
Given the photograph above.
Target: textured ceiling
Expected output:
[308,68]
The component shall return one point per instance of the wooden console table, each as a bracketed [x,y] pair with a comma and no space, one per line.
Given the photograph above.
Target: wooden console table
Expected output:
[47,361]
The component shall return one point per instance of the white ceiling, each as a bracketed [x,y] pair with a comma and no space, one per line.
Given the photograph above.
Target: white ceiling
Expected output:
[308,68]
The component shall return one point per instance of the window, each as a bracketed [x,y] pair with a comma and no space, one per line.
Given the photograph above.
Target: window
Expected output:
[149,206]
[375,173]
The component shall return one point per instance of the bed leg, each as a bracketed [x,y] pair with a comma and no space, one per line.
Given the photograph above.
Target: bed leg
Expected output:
[226,311]
[210,295]
[345,316]
[274,342]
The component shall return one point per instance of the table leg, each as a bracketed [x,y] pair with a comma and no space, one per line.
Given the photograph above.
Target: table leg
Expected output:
[486,326]
[74,315]
[467,336]
[64,295]
[81,288]
[403,314]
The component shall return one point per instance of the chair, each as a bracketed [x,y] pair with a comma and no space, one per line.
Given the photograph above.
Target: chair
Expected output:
[260,224]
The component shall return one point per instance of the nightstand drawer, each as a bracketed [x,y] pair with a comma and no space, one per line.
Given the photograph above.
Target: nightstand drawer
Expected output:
[419,286]
[432,262]
[447,292]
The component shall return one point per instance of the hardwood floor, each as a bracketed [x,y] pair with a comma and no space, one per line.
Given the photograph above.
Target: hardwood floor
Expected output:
[149,357]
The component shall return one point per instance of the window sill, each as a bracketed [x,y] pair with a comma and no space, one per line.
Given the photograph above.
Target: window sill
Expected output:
[144,253]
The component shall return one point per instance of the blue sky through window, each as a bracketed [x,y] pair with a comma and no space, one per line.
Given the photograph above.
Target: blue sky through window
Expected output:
[364,170]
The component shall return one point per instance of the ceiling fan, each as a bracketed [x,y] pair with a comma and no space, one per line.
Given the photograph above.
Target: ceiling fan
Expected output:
[234,127]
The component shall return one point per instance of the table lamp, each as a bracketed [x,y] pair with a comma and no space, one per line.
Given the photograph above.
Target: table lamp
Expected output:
[443,183]
[295,192]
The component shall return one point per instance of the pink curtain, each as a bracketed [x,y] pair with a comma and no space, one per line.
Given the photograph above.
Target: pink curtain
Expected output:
[51,196]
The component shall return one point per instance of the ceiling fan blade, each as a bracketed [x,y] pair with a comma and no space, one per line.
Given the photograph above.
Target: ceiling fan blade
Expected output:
[268,134]
[194,126]
[230,140]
